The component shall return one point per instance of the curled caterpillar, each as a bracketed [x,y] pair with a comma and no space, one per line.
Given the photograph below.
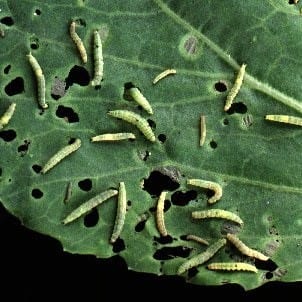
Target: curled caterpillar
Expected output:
[197,239]
[5,118]
[78,42]
[163,75]
[160,219]
[138,97]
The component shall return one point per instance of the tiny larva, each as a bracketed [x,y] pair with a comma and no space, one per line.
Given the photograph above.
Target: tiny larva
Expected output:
[120,213]
[235,89]
[208,185]
[202,257]
[98,59]
[160,220]
[78,42]
[68,192]
[197,239]
[89,205]
[217,213]
[163,75]
[203,130]
[138,97]
[40,80]
[245,250]
[5,118]
[55,159]
[135,120]
[233,266]
[112,137]
[294,120]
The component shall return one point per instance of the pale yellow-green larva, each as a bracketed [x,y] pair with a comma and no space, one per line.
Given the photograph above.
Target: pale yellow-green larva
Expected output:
[5,118]
[244,249]
[287,119]
[40,80]
[89,205]
[109,137]
[139,98]
[55,159]
[136,120]
[120,213]
[78,42]
[208,185]
[236,87]
[203,130]
[197,239]
[217,213]
[163,75]
[233,266]
[202,257]
[98,59]
[160,219]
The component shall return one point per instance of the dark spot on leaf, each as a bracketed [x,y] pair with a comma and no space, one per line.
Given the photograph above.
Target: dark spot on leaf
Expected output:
[162,138]
[151,123]
[167,253]
[37,193]
[213,144]
[268,265]
[163,239]
[15,86]
[237,108]
[190,45]
[58,88]
[225,121]
[221,86]
[37,168]
[37,12]
[7,21]
[92,218]
[67,113]
[158,182]
[85,184]
[7,69]
[118,245]
[179,198]
[77,75]
[24,147]
[8,135]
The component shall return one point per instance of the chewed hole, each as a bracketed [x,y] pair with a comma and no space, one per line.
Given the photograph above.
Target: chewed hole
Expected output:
[85,184]
[37,193]
[15,86]
[37,168]
[34,45]
[163,240]
[140,226]
[77,75]
[7,69]
[7,21]
[220,86]
[162,138]
[213,144]
[118,246]
[8,135]
[167,253]
[37,12]
[293,1]
[239,107]
[269,275]
[225,121]
[67,113]
[268,265]
[179,198]
[23,148]
[151,123]
[92,218]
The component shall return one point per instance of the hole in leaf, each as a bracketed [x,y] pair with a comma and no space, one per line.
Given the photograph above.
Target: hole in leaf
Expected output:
[237,108]
[167,253]
[92,218]
[129,203]
[67,113]
[0,171]
[85,184]
[118,245]
[162,138]
[158,182]
[179,198]
[7,69]
[225,121]
[37,12]
[268,265]
[221,86]
[163,240]
[23,148]
[192,272]
[213,144]
[37,168]
[37,193]
[7,21]
[151,123]
[140,226]
[15,86]
[8,135]
[144,155]
[167,205]
[34,42]
[269,275]
[293,1]
[77,75]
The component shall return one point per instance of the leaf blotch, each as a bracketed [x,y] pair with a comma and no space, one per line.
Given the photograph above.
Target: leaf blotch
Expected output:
[37,193]
[68,114]
[190,47]
[180,198]
[92,218]
[15,86]
[58,88]
[85,184]
[8,135]
[167,253]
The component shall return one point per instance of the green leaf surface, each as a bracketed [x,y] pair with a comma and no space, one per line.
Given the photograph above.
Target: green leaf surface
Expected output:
[257,162]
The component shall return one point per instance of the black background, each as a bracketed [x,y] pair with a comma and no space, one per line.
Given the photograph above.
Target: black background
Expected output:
[33,267]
